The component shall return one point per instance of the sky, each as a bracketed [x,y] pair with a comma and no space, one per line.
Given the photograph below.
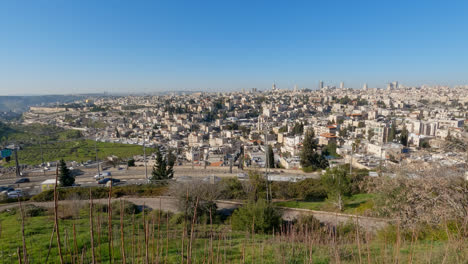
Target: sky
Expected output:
[64,47]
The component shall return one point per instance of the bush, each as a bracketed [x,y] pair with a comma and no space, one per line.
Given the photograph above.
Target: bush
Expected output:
[261,215]
[29,210]
[232,189]
[81,193]
[308,189]
[129,208]
[308,222]
[203,211]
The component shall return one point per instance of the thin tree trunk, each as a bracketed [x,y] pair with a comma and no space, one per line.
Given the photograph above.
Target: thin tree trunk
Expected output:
[189,257]
[25,253]
[109,221]
[91,228]
[56,216]
[122,240]
[50,244]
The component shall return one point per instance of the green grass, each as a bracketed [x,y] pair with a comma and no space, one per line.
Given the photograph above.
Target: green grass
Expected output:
[356,204]
[226,246]
[76,150]
[57,143]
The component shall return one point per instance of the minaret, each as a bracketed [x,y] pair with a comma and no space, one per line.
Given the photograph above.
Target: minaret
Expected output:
[273,88]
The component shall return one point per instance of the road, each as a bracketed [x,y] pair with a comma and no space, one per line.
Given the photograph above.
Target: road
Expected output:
[132,175]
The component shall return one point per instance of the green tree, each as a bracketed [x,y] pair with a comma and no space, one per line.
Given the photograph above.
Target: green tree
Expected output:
[260,216]
[310,159]
[131,163]
[392,133]
[65,176]
[370,134]
[283,129]
[404,136]
[163,168]
[337,185]
[298,129]
[271,157]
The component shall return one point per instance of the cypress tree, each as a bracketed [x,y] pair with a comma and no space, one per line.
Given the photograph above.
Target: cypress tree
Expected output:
[65,176]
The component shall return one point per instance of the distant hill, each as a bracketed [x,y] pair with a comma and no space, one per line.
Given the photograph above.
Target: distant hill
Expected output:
[20,104]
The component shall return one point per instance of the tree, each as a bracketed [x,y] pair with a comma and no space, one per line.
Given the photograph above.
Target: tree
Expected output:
[260,216]
[163,168]
[117,134]
[131,163]
[283,129]
[404,136]
[65,176]
[337,185]
[310,159]
[392,133]
[298,129]
[271,157]
[257,186]
[370,134]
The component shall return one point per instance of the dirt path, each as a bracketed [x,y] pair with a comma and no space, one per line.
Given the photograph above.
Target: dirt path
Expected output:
[167,203]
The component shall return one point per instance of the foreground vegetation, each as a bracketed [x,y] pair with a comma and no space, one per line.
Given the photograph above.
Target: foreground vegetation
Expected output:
[136,236]
[355,204]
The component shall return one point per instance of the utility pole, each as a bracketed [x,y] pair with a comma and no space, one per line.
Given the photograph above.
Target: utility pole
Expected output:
[18,173]
[351,160]
[97,160]
[193,157]
[144,155]
[266,161]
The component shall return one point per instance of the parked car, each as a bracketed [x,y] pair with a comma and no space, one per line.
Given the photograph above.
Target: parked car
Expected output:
[15,194]
[102,175]
[6,189]
[105,180]
[22,180]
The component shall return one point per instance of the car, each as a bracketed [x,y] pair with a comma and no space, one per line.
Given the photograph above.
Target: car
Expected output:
[6,189]
[105,180]
[15,194]
[102,175]
[22,180]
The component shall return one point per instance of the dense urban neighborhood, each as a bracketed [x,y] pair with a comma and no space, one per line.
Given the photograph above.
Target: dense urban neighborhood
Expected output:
[372,128]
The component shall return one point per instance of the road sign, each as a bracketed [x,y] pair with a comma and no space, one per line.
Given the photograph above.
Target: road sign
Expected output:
[5,153]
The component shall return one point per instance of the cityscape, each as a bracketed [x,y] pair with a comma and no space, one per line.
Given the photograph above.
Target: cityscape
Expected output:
[233,132]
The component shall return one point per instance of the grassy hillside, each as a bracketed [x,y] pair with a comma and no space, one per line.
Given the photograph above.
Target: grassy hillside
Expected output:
[163,238]
[58,143]
[76,150]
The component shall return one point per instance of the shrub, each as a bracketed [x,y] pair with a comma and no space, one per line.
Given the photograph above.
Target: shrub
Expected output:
[308,189]
[129,208]
[29,210]
[131,163]
[232,189]
[81,193]
[261,215]
[309,222]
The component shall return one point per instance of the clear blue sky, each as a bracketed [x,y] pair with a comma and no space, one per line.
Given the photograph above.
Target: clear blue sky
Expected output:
[144,46]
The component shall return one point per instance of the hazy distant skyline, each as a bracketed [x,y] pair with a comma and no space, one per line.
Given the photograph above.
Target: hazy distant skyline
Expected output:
[58,47]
